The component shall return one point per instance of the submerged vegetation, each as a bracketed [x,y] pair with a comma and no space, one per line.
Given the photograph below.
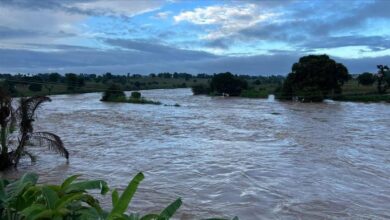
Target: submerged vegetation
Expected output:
[115,94]
[227,84]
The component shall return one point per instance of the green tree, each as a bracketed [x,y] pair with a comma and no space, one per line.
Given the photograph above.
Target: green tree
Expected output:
[74,82]
[227,83]
[366,79]
[113,93]
[383,78]
[313,78]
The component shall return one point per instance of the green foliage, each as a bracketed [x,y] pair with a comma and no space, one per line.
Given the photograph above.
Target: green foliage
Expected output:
[25,199]
[200,89]
[135,95]
[35,87]
[364,98]
[23,118]
[114,93]
[142,101]
[366,79]
[253,93]
[74,82]
[313,78]
[227,83]
[383,78]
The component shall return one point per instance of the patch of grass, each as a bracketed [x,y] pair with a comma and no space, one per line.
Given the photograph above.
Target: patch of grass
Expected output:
[364,98]
[142,101]
[252,93]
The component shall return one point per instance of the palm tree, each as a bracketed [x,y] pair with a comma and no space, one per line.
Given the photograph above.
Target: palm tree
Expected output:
[26,114]
[7,121]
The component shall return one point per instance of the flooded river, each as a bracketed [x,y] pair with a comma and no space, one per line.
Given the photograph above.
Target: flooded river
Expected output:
[257,159]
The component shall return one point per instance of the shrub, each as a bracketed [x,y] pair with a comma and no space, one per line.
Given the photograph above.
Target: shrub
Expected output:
[114,93]
[135,95]
[35,87]
[366,79]
[200,89]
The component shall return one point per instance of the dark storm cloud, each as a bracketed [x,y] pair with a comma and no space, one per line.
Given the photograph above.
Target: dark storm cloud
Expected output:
[81,59]
[374,42]
[158,49]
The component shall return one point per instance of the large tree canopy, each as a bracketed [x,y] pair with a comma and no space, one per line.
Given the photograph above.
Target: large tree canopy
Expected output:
[313,78]
[366,79]
[227,83]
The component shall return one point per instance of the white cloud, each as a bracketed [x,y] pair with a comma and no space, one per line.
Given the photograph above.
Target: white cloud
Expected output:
[228,18]
[61,22]
[163,15]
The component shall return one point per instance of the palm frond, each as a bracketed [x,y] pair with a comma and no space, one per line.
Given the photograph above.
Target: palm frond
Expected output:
[26,111]
[52,141]
[37,101]
[31,156]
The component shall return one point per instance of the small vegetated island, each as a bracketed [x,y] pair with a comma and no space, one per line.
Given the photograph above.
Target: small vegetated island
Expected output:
[115,94]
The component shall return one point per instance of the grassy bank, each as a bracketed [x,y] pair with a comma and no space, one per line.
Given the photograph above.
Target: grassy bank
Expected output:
[22,88]
[353,92]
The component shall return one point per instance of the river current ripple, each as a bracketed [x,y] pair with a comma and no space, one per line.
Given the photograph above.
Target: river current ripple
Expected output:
[257,159]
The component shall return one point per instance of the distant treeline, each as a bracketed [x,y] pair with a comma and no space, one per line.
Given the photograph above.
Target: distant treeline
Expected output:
[55,83]
[56,77]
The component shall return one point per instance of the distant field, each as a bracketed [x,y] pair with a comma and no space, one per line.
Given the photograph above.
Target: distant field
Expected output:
[143,83]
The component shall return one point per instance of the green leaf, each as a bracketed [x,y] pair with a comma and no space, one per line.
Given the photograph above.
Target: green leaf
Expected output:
[15,188]
[87,185]
[33,210]
[169,211]
[150,217]
[88,214]
[114,197]
[65,200]
[69,180]
[127,195]
[2,190]
[90,200]
[50,196]
[45,214]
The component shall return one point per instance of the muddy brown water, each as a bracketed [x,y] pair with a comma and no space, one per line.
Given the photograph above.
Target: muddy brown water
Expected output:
[257,159]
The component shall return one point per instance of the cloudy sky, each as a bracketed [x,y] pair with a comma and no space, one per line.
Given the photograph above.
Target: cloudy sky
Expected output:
[259,37]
